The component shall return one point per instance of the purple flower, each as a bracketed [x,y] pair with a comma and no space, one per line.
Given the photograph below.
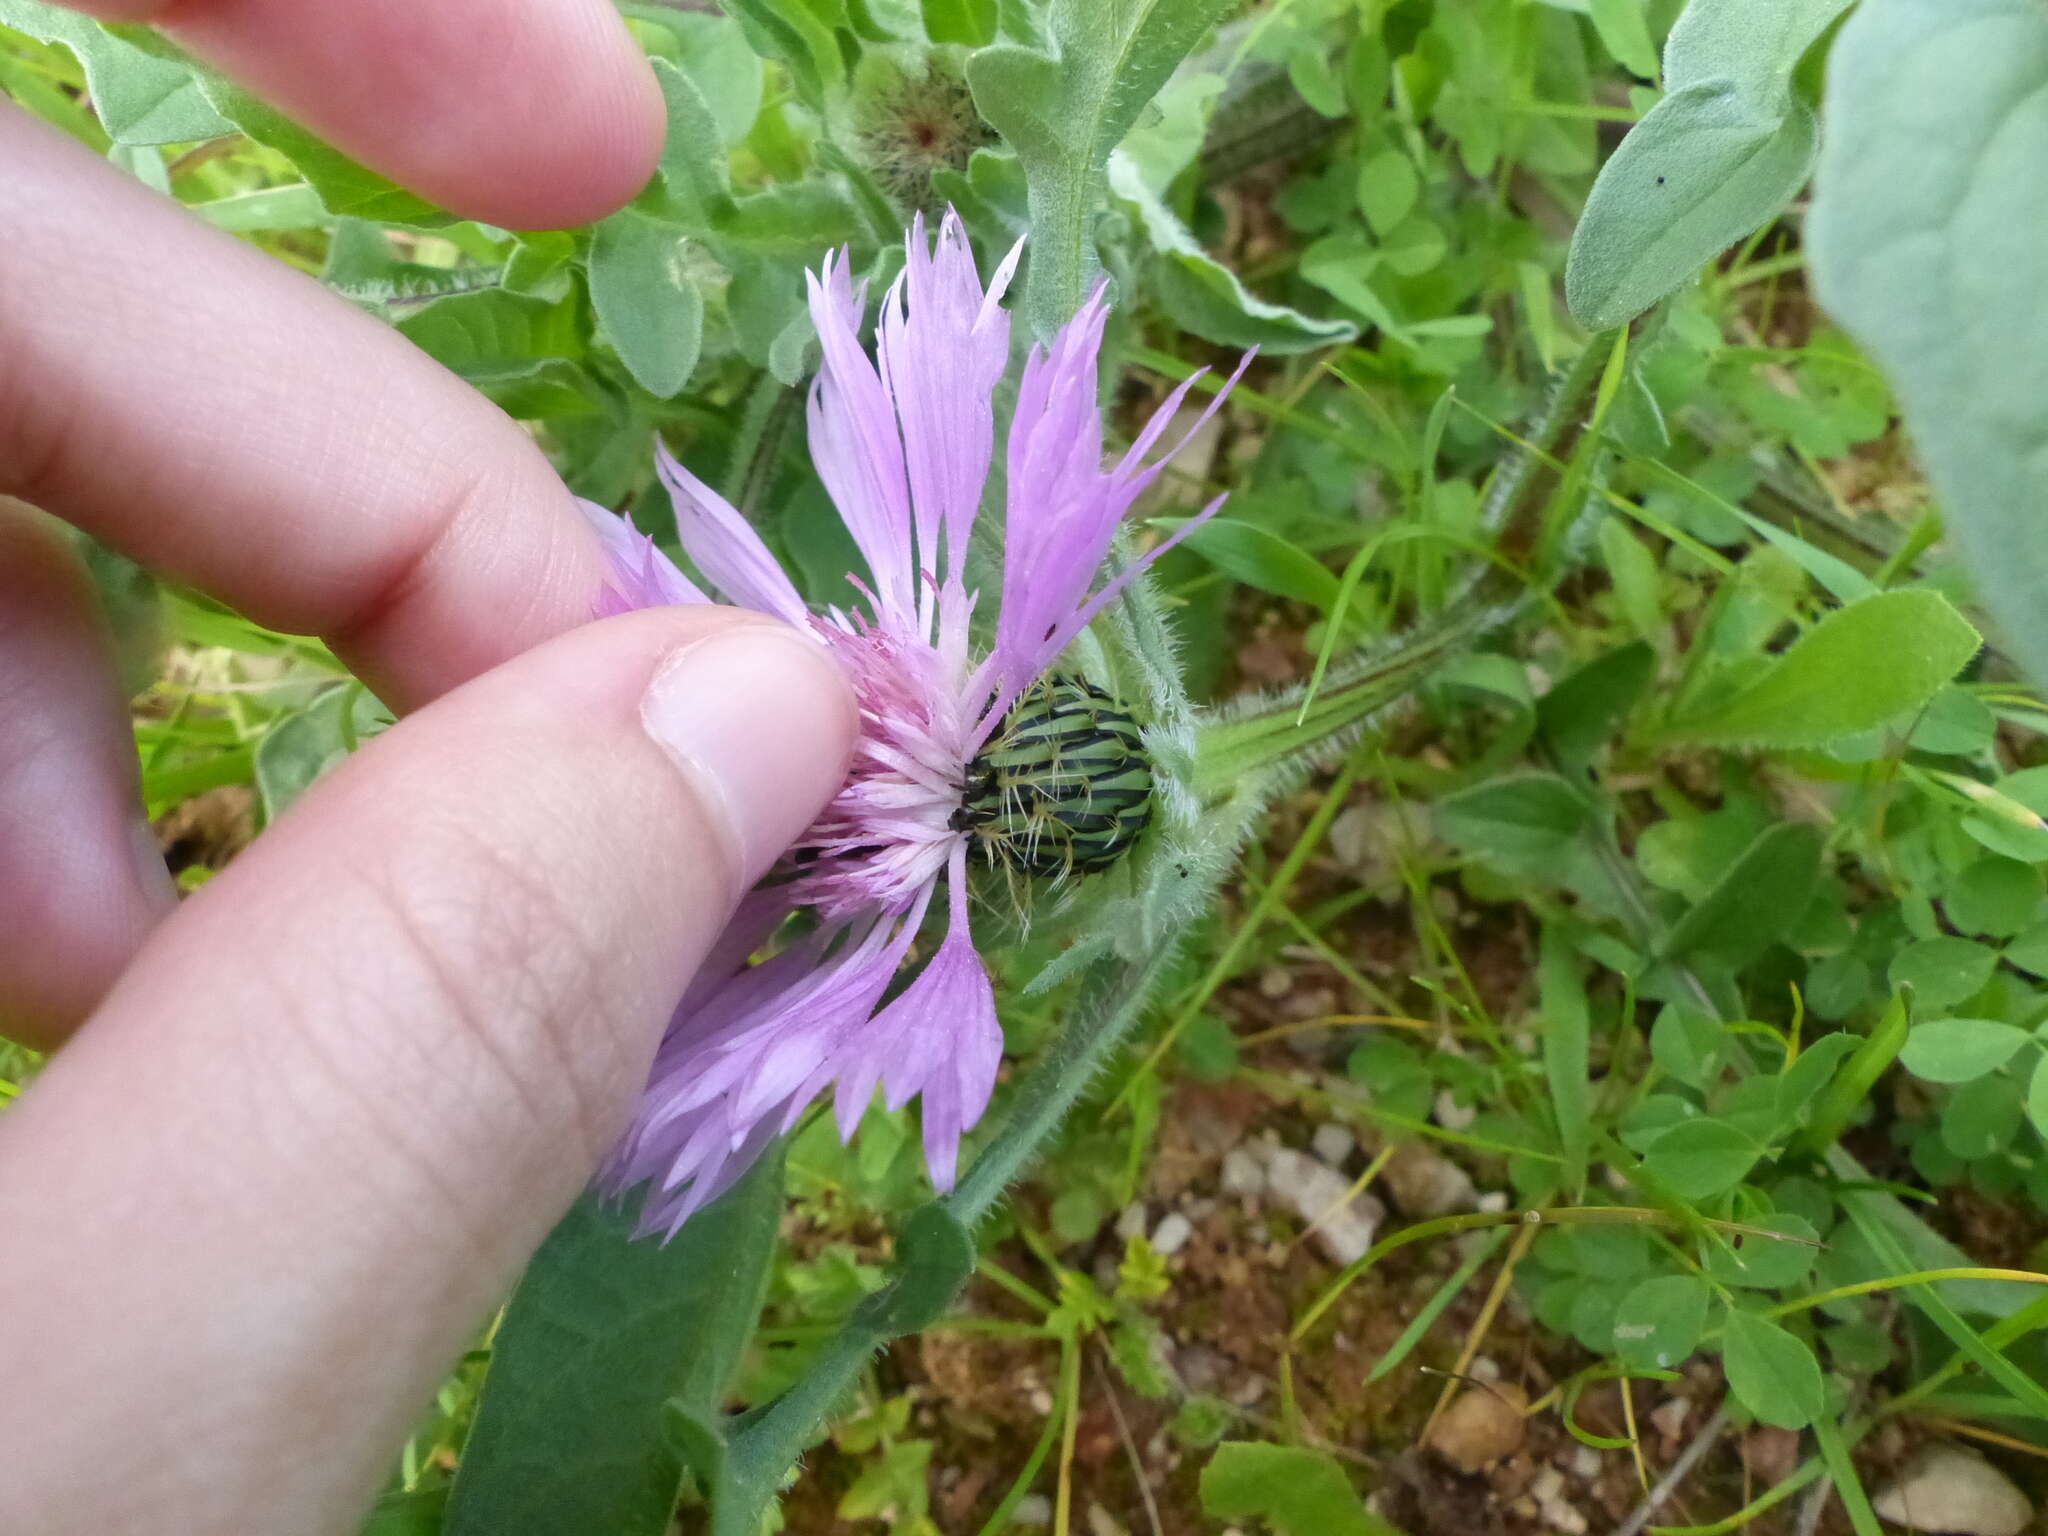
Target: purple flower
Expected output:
[903,441]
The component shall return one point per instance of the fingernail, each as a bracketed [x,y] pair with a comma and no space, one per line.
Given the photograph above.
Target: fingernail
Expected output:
[761,722]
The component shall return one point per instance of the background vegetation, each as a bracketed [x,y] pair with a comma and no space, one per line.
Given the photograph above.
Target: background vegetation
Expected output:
[1697,904]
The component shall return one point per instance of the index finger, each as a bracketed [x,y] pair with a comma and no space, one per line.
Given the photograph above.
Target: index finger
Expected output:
[221,418]
[533,114]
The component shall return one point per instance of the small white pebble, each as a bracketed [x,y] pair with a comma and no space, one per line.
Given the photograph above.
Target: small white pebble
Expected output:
[1486,1369]
[1333,1143]
[1172,1234]
[1586,1462]
[1244,1175]
[1032,1509]
[1040,1400]
[1131,1221]
[1493,1202]
[1452,1115]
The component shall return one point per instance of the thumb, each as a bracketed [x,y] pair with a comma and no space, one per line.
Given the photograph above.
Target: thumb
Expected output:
[270,1188]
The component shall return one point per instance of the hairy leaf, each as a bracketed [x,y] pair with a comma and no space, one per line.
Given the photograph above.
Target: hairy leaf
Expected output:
[1856,669]
[649,310]
[1063,108]
[1930,195]
[602,1333]
[139,97]
[1727,147]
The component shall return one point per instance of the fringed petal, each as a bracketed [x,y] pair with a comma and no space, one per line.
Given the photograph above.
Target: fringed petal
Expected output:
[944,344]
[1064,507]
[856,446]
[724,545]
[641,575]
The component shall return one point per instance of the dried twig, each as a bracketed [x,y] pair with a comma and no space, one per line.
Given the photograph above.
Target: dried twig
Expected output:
[1681,1469]
[1123,1433]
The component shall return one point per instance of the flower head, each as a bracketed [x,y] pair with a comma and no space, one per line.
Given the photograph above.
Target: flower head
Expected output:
[903,440]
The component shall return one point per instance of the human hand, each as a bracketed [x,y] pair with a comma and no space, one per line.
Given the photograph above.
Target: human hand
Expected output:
[321,1112]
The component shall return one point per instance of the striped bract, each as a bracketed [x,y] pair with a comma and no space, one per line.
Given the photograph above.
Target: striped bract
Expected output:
[1063,786]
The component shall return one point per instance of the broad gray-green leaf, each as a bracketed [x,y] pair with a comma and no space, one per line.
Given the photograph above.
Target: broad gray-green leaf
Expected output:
[1064,107]
[1202,294]
[1707,165]
[794,32]
[1930,197]
[138,97]
[602,1333]
[694,172]
[1856,669]
[1728,146]
[650,311]
[713,52]
[1753,40]
[349,190]
[522,352]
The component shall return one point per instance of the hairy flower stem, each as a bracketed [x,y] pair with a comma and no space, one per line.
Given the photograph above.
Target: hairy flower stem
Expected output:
[764,1444]
[1528,508]
[1242,761]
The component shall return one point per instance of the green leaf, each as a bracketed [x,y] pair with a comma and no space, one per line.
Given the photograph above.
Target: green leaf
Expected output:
[1522,821]
[1725,149]
[1584,711]
[794,32]
[934,1257]
[1928,197]
[1943,971]
[602,1333]
[1260,558]
[1994,896]
[419,1512]
[2037,1096]
[1853,671]
[1064,107]
[1957,1050]
[713,52]
[300,747]
[649,310]
[1206,297]
[348,190]
[1702,1158]
[1707,165]
[295,205]
[1766,1263]
[1387,189]
[971,23]
[518,350]
[1299,1492]
[139,97]
[1756,900]
[694,171]
[1625,34]
[1772,1373]
[1660,1321]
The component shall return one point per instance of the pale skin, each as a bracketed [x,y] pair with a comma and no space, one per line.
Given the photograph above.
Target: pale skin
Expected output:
[304,1128]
